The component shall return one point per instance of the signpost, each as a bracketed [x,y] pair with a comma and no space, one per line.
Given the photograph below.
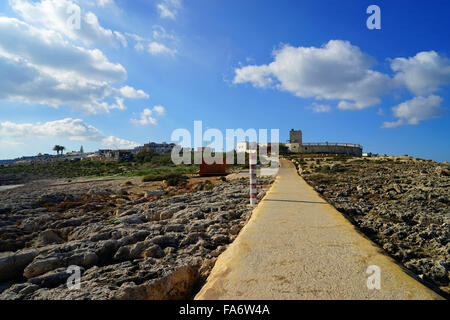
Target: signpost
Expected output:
[252,165]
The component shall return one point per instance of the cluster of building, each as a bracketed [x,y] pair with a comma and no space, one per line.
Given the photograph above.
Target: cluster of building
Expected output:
[295,145]
[106,154]
[128,154]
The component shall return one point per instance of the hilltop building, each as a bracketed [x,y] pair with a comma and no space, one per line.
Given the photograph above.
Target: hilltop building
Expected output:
[117,154]
[160,148]
[242,146]
[128,154]
[296,145]
[296,136]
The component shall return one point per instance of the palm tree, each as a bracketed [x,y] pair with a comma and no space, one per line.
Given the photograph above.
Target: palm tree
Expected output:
[59,148]
[56,148]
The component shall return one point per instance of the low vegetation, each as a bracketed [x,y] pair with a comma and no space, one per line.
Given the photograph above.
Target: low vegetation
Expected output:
[172,178]
[144,164]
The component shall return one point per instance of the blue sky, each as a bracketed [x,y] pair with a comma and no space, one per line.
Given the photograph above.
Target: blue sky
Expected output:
[134,71]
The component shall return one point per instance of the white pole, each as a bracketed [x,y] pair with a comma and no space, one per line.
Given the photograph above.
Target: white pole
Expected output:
[252,165]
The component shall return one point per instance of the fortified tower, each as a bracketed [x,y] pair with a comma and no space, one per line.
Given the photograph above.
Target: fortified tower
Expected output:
[295,136]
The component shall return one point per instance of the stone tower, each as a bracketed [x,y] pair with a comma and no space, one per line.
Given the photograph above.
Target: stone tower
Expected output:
[295,136]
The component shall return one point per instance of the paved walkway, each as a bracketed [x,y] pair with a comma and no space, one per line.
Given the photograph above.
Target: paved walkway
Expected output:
[296,246]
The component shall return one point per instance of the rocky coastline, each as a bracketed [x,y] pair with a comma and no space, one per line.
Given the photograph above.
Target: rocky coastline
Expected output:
[402,204]
[130,240]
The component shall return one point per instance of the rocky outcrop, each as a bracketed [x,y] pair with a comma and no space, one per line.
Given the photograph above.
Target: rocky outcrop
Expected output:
[12,265]
[143,246]
[403,205]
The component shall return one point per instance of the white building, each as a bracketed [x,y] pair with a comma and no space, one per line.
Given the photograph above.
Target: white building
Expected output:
[242,146]
[159,148]
[294,147]
[245,146]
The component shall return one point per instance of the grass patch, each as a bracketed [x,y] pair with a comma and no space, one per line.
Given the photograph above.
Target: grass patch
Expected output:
[172,178]
[159,164]
[324,169]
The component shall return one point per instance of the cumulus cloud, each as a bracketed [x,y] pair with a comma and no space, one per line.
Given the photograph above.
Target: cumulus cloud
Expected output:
[132,93]
[97,3]
[47,49]
[424,73]
[340,71]
[153,45]
[159,110]
[160,33]
[38,66]
[415,110]
[72,129]
[168,8]
[146,117]
[156,48]
[103,3]
[337,71]
[259,76]
[320,108]
[67,18]
[118,143]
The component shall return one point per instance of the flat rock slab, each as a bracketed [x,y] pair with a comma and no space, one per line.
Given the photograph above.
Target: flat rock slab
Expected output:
[297,246]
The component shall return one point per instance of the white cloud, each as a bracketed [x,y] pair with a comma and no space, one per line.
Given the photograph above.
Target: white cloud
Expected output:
[71,129]
[336,71]
[146,117]
[169,8]
[341,71]
[160,33]
[392,124]
[131,93]
[159,110]
[99,3]
[139,47]
[259,76]
[118,143]
[63,16]
[156,48]
[415,110]
[50,52]
[150,45]
[103,3]
[121,38]
[424,73]
[320,108]
[38,66]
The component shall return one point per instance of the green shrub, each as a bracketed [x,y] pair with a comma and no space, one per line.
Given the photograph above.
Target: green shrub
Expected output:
[175,179]
[144,156]
[172,178]
[208,187]
[324,169]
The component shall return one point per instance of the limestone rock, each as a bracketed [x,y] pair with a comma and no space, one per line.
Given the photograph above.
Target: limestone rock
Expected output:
[12,265]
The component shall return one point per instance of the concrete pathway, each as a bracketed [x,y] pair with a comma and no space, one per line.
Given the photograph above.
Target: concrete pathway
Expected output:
[296,246]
